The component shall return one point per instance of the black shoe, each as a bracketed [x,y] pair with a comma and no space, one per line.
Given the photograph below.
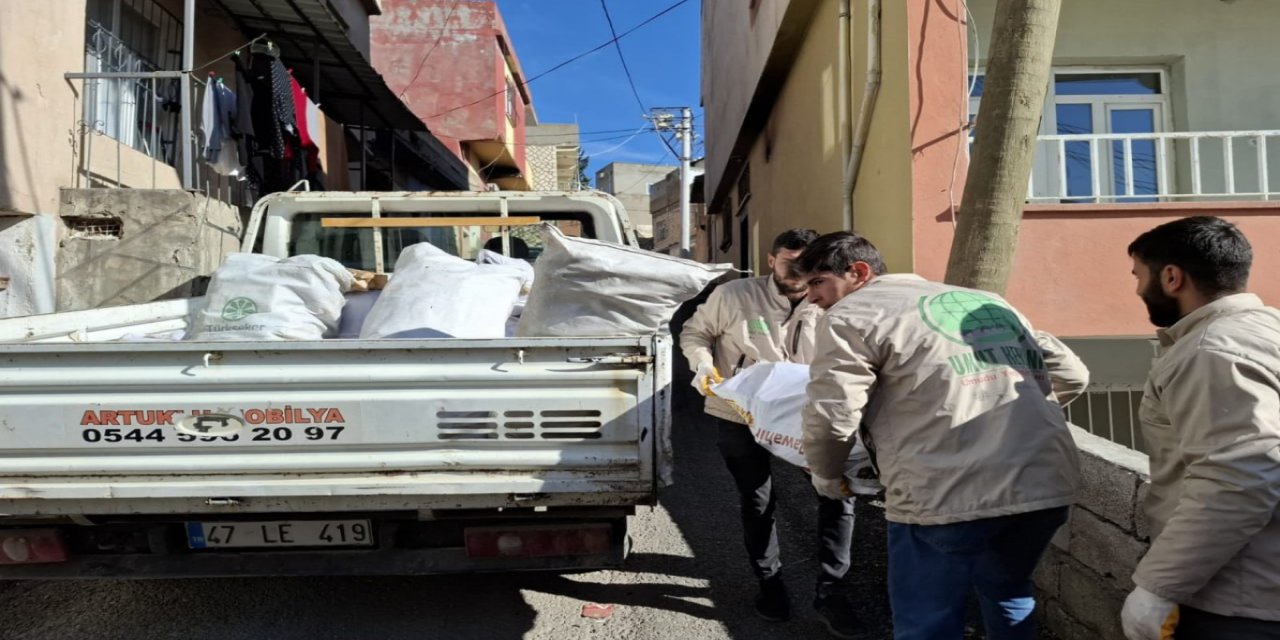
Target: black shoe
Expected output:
[836,613]
[773,604]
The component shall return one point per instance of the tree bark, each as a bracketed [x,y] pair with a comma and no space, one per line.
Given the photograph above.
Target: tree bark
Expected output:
[1017,77]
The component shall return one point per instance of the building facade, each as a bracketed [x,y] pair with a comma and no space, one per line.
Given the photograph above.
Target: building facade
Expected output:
[629,183]
[108,192]
[1148,120]
[453,63]
[553,153]
[664,206]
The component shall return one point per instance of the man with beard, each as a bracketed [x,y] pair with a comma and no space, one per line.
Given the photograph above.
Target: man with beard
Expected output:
[767,319]
[1211,420]
[957,398]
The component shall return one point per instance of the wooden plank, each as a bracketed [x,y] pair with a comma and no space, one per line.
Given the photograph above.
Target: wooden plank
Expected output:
[493,221]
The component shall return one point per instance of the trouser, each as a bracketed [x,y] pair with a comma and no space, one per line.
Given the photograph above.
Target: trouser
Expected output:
[750,465]
[932,570]
[1194,624]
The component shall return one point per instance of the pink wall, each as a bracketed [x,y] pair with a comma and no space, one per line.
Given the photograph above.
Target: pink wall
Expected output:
[1071,273]
[465,64]
[939,108]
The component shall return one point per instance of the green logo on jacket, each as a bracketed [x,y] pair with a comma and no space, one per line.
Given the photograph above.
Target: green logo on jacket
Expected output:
[995,334]
[966,317]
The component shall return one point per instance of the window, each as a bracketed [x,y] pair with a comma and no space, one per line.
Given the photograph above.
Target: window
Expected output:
[513,100]
[1084,101]
[133,36]
[357,248]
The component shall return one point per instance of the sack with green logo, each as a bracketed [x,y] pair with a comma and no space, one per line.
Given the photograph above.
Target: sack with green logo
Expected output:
[255,297]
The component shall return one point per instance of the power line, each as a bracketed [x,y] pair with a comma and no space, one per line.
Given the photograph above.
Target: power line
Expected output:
[581,133]
[621,144]
[631,134]
[570,61]
[627,70]
[444,29]
[621,58]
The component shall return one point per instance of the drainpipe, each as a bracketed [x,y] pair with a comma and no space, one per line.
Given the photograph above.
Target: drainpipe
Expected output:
[870,93]
[844,49]
[188,99]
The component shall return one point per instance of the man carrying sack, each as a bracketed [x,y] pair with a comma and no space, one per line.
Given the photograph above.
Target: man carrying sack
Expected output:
[767,319]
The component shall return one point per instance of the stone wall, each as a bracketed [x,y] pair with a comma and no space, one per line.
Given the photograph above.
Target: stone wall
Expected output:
[126,246]
[1086,573]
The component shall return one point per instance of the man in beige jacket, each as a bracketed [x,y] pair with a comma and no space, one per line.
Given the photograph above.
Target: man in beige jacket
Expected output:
[957,399]
[1211,422]
[767,319]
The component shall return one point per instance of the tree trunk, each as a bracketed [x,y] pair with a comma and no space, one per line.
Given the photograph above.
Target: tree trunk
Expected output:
[1017,78]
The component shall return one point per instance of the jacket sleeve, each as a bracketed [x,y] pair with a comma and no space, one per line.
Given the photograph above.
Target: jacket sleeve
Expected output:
[700,331]
[841,378]
[1067,371]
[1226,412]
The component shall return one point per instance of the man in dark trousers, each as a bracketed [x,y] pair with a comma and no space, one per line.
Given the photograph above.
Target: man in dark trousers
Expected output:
[767,319]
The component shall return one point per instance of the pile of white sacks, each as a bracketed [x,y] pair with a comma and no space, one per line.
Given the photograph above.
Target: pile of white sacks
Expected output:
[579,288]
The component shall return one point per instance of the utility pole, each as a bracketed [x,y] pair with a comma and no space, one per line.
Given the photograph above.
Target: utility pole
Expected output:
[995,191]
[664,120]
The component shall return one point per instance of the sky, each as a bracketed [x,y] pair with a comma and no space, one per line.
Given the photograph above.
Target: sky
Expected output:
[593,92]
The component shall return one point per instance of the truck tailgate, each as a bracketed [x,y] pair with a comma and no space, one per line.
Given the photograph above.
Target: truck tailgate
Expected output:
[335,425]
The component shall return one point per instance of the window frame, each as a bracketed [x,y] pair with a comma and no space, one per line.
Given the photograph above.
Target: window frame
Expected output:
[1045,169]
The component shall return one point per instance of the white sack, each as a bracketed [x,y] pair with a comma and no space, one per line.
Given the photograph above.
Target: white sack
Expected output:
[772,395]
[526,270]
[355,312]
[526,283]
[436,295]
[256,297]
[592,288]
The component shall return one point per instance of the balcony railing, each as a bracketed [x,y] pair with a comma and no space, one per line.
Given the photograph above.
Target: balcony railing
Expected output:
[1156,167]
[128,98]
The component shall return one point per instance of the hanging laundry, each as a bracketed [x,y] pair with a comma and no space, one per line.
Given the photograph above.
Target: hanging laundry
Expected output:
[275,161]
[217,113]
[306,133]
[313,118]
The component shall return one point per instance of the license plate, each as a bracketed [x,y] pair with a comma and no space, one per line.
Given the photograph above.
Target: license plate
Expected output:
[284,533]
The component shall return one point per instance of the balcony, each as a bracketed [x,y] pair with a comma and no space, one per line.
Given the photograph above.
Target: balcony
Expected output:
[1147,168]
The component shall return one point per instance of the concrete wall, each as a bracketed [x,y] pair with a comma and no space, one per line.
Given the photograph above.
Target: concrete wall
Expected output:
[441,55]
[1086,573]
[551,155]
[356,14]
[1210,49]
[39,41]
[796,160]
[630,184]
[736,44]
[169,241]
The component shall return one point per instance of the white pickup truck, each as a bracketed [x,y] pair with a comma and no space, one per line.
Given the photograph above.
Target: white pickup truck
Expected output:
[124,457]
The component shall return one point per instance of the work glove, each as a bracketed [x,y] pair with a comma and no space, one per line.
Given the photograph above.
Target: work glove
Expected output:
[1147,616]
[704,377]
[832,488]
